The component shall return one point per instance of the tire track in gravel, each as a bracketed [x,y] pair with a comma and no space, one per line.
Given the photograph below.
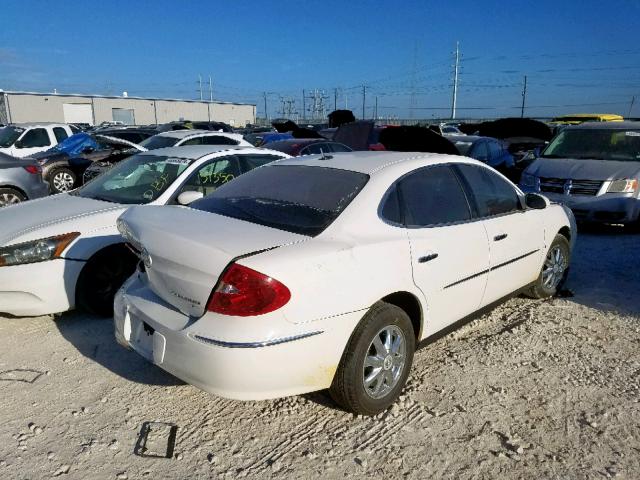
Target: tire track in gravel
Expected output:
[382,432]
[299,436]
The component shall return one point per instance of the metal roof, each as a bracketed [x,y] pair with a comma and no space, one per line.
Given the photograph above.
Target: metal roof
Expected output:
[84,95]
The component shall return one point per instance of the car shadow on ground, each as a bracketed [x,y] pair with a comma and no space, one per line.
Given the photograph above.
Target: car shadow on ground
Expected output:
[604,273]
[93,337]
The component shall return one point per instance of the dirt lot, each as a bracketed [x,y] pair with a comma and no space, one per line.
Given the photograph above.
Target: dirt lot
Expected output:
[534,389]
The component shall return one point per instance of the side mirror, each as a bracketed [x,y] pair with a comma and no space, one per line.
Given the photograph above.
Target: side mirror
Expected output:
[185,198]
[535,201]
[18,144]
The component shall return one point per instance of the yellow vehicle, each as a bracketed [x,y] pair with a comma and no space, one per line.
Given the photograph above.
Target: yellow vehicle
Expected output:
[578,118]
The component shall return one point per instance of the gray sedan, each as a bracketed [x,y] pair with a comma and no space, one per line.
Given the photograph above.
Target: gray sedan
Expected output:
[594,169]
[20,180]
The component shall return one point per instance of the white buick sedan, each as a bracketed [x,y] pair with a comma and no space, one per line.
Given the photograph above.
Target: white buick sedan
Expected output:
[65,251]
[325,272]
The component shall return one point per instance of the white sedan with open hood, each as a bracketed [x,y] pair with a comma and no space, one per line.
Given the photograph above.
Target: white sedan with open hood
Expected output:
[326,271]
[65,251]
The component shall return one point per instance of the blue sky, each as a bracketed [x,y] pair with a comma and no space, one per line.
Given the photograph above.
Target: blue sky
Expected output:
[579,56]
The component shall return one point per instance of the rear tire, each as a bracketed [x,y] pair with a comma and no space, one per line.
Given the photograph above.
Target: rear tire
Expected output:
[376,361]
[62,180]
[101,278]
[10,196]
[553,269]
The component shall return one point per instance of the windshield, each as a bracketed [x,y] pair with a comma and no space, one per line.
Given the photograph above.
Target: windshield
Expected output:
[605,144]
[158,141]
[137,180]
[294,198]
[9,135]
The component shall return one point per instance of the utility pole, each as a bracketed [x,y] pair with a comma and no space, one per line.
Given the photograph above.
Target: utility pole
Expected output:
[524,96]
[304,110]
[633,100]
[266,115]
[335,99]
[375,114]
[346,101]
[364,99]
[456,68]
[200,86]
[210,89]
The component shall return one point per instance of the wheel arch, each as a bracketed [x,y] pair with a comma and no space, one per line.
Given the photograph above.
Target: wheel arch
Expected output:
[17,189]
[105,250]
[412,307]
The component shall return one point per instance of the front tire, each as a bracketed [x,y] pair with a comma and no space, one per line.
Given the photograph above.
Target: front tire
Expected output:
[553,269]
[376,362]
[62,180]
[101,278]
[10,196]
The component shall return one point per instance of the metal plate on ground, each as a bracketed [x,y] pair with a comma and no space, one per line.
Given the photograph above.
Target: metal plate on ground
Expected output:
[156,440]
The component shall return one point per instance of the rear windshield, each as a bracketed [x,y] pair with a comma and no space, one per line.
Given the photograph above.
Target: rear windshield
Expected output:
[295,198]
[158,141]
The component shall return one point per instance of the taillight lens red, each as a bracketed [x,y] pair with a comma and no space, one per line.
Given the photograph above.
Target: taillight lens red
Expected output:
[34,169]
[243,292]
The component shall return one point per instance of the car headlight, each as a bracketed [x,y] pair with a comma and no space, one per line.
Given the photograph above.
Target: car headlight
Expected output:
[36,250]
[528,180]
[623,186]
[127,234]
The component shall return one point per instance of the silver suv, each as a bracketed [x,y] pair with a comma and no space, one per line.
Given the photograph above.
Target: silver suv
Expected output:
[594,169]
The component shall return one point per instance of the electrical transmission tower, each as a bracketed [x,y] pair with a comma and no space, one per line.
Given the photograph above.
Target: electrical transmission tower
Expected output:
[317,104]
[288,107]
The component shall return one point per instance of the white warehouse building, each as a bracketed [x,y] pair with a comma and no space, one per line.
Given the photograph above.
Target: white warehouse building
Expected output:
[22,107]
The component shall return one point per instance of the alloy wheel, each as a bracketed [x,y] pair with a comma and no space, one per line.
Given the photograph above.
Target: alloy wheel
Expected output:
[554,266]
[9,199]
[62,182]
[384,362]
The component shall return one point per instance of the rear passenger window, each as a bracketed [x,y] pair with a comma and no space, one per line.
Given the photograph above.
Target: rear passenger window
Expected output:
[218,140]
[60,133]
[391,208]
[433,196]
[192,141]
[315,148]
[338,147]
[254,161]
[493,195]
[36,137]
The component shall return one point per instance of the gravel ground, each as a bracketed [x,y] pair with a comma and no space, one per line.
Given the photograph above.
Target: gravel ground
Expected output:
[533,389]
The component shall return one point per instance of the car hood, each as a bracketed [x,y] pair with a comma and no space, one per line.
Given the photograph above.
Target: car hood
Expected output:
[121,141]
[583,169]
[55,215]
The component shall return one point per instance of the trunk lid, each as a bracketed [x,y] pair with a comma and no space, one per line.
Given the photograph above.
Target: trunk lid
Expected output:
[185,250]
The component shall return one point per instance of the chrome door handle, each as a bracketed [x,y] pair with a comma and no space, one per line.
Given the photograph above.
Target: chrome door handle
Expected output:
[427,258]
[502,236]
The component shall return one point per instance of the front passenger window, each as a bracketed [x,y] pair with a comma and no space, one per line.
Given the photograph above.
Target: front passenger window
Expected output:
[211,176]
[433,196]
[493,194]
[36,137]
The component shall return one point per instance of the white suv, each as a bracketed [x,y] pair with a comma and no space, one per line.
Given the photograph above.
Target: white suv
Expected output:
[24,139]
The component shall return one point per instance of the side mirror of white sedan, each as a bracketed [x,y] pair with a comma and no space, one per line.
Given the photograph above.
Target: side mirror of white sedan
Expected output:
[535,201]
[185,198]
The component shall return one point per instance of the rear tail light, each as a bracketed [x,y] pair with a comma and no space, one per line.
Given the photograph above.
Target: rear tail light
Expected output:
[243,292]
[34,169]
